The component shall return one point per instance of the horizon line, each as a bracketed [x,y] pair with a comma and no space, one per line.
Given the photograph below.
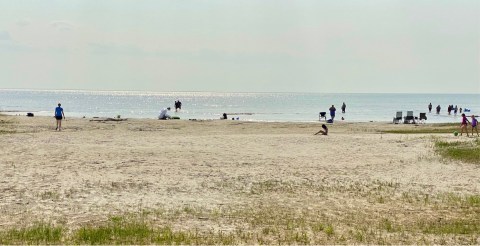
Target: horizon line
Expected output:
[253,92]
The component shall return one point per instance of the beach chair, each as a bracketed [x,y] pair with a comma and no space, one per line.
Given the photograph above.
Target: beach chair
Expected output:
[397,117]
[423,117]
[322,115]
[409,118]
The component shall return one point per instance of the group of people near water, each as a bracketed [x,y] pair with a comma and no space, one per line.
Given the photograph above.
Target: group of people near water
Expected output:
[59,115]
[450,108]
[163,115]
[465,121]
[333,110]
[225,116]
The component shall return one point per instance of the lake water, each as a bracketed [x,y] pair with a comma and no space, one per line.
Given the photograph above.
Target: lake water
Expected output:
[285,107]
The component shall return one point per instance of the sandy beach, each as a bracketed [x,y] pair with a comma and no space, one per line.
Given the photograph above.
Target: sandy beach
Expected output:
[213,175]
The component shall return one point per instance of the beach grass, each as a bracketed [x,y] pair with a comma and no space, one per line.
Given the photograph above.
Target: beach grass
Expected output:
[466,151]
[135,231]
[413,217]
[39,233]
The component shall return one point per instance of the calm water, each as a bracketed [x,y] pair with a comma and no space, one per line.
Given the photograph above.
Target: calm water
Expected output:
[247,106]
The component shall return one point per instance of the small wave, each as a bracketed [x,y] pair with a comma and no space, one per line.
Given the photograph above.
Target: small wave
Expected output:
[12,111]
[240,113]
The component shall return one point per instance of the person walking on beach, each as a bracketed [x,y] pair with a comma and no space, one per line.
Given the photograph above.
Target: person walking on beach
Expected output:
[474,125]
[163,114]
[438,109]
[464,125]
[59,115]
[344,106]
[324,130]
[430,107]
[332,112]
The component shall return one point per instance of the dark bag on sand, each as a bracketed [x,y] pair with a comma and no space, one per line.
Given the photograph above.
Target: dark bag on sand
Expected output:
[29,114]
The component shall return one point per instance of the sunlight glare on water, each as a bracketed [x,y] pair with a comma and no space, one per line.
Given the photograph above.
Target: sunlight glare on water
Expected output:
[298,107]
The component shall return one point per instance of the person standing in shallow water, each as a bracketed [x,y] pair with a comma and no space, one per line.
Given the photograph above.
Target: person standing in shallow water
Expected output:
[332,112]
[344,106]
[59,115]
[430,107]
[178,105]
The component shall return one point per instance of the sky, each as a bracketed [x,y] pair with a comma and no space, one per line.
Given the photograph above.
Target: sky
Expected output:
[329,46]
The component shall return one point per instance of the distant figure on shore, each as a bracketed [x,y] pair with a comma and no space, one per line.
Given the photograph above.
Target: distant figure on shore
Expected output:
[224,117]
[460,110]
[59,115]
[332,112]
[178,105]
[474,125]
[430,107]
[344,106]
[163,114]
[324,130]
[464,125]
[438,109]
[455,110]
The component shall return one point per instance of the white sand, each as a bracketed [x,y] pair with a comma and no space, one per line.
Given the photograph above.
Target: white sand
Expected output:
[95,169]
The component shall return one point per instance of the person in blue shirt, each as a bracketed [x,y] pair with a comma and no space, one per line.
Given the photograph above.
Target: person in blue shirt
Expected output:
[332,112]
[59,115]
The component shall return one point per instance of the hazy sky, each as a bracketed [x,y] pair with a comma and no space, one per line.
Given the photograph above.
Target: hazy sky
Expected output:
[242,45]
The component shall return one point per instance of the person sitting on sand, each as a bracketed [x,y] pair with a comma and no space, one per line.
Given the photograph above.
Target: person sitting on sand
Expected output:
[163,114]
[59,115]
[464,125]
[474,125]
[224,117]
[324,130]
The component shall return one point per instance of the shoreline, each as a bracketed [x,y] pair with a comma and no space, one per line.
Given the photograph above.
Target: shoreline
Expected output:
[16,114]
